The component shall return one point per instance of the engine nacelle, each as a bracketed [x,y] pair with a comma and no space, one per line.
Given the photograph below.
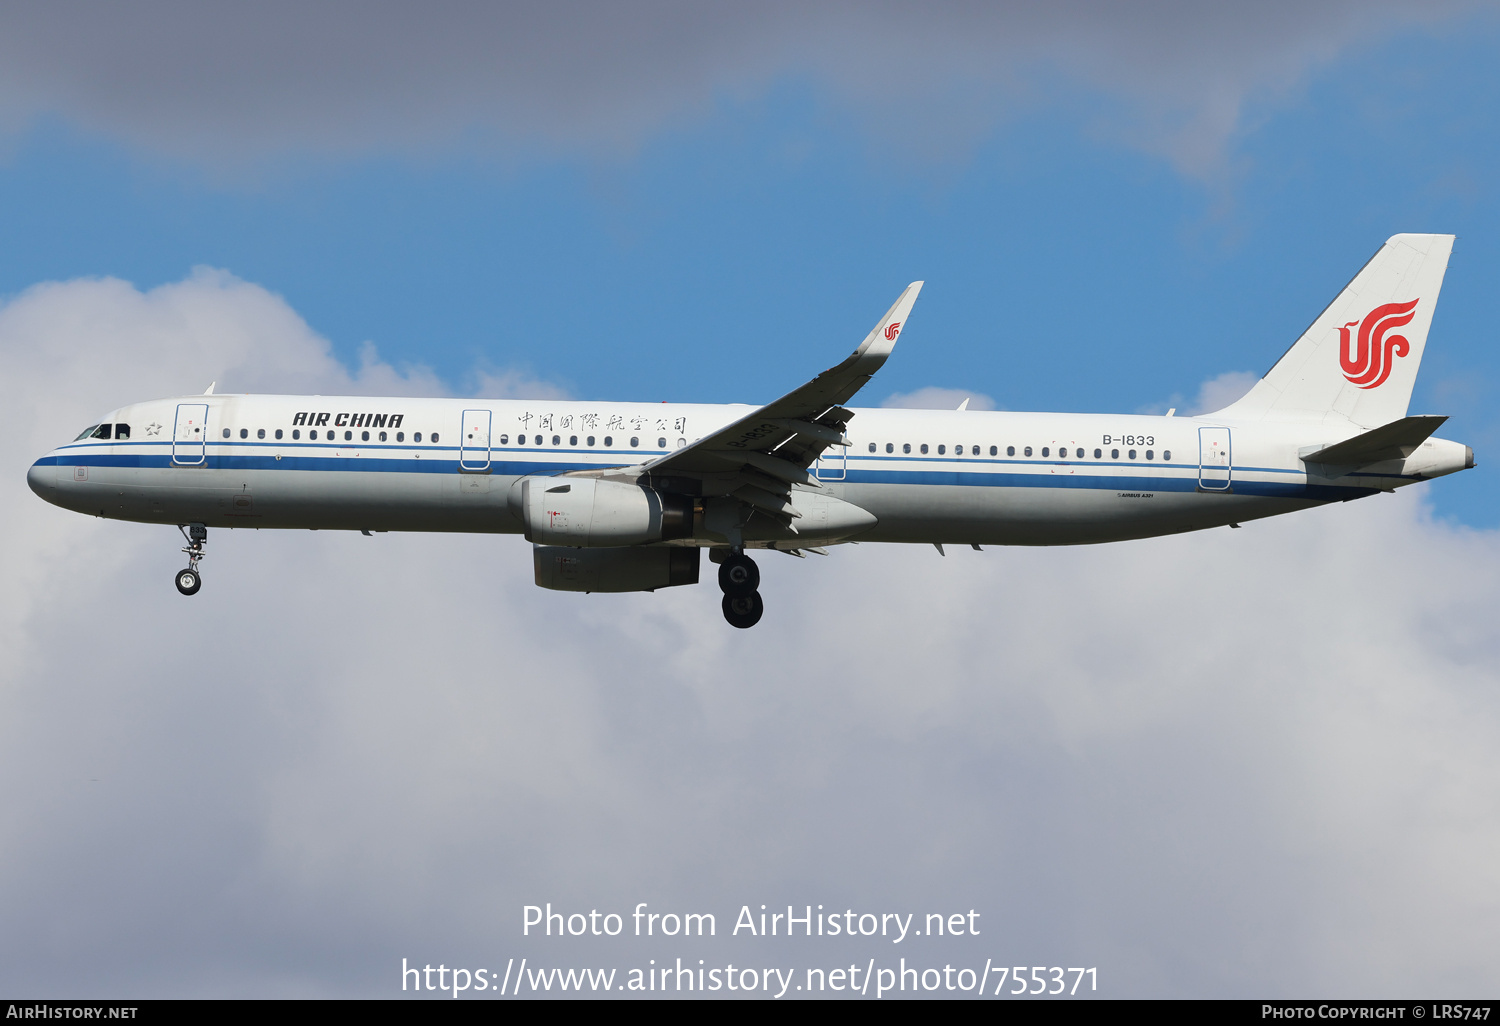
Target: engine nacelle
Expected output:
[562,568]
[585,511]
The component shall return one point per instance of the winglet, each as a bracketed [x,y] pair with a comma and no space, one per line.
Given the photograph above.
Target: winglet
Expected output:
[210,389]
[882,339]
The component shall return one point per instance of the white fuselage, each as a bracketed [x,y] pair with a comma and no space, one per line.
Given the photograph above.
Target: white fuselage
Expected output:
[378,464]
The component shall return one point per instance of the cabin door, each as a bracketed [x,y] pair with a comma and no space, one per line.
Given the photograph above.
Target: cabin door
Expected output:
[1214,465]
[474,441]
[190,435]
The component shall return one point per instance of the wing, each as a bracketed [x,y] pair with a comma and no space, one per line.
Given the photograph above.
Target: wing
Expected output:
[759,457]
[783,438]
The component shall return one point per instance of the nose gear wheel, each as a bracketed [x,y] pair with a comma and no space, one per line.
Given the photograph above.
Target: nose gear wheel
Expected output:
[196,535]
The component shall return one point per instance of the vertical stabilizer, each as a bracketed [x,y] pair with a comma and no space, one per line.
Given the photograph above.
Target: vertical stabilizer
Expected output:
[1359,360]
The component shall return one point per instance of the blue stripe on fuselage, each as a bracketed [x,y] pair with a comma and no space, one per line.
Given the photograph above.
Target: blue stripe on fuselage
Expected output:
[444,460]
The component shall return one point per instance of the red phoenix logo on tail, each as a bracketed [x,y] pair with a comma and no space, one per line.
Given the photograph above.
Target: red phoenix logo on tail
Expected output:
[892,330]
[1369,363]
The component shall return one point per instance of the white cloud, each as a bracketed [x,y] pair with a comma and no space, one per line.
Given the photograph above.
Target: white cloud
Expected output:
[935,398]
[1213,395]
[227,85]
[1219,392]
[1237,762]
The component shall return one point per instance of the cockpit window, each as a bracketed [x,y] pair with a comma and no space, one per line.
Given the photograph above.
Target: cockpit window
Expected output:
[86,432]
[122,431]
[102,431]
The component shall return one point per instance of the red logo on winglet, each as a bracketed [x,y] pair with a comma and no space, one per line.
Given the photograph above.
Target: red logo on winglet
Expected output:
[892,330]
[1370,362]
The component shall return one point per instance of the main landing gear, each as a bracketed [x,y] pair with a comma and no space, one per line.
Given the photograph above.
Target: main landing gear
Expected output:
[196,535]
[739,578]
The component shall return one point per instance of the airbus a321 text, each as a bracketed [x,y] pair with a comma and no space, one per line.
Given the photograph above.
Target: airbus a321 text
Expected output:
[625,496]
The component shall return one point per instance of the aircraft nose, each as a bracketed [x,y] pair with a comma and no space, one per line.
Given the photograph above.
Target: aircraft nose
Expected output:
[42,477]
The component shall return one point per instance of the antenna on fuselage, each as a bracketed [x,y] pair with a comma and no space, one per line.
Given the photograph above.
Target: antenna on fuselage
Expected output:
[210,389]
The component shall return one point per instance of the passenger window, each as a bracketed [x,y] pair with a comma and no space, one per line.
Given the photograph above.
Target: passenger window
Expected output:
[382,436]
[416,436]
[1150,455]
[635,441]
[1046,451]
[400,436]
[681,442]
[260,432]
[226,432]
[520,439]
[364,436]
[889,447]
[557,439]
[435,438]
[872,446]
[572,439]
[924,449]
[296,434]
[122,432]
[1010,450]
[1166,455]
[906,447]
[1026,451]
[994,451]
[1114,454]
[591,439]
[609,440]
[278,434]
[1132,454]
[538,439]
[661,443]
[349,436]
[942,449]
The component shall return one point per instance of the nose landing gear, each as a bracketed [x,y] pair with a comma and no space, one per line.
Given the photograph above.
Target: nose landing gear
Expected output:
[196,535]
[739,579]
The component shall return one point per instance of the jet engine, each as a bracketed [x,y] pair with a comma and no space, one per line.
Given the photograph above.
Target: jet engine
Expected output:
[562,568]
[585,511]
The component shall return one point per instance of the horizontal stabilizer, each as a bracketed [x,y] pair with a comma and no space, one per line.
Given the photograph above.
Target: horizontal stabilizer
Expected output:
[1394,441]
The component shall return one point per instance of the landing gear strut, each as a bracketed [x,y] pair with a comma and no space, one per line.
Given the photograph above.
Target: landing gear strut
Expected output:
[739,578]
[196,536]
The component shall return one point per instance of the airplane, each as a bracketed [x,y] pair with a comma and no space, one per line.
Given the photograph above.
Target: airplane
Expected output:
[619,497]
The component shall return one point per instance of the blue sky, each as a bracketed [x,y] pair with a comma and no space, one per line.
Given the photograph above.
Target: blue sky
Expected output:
[1246,763]
[731,252]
